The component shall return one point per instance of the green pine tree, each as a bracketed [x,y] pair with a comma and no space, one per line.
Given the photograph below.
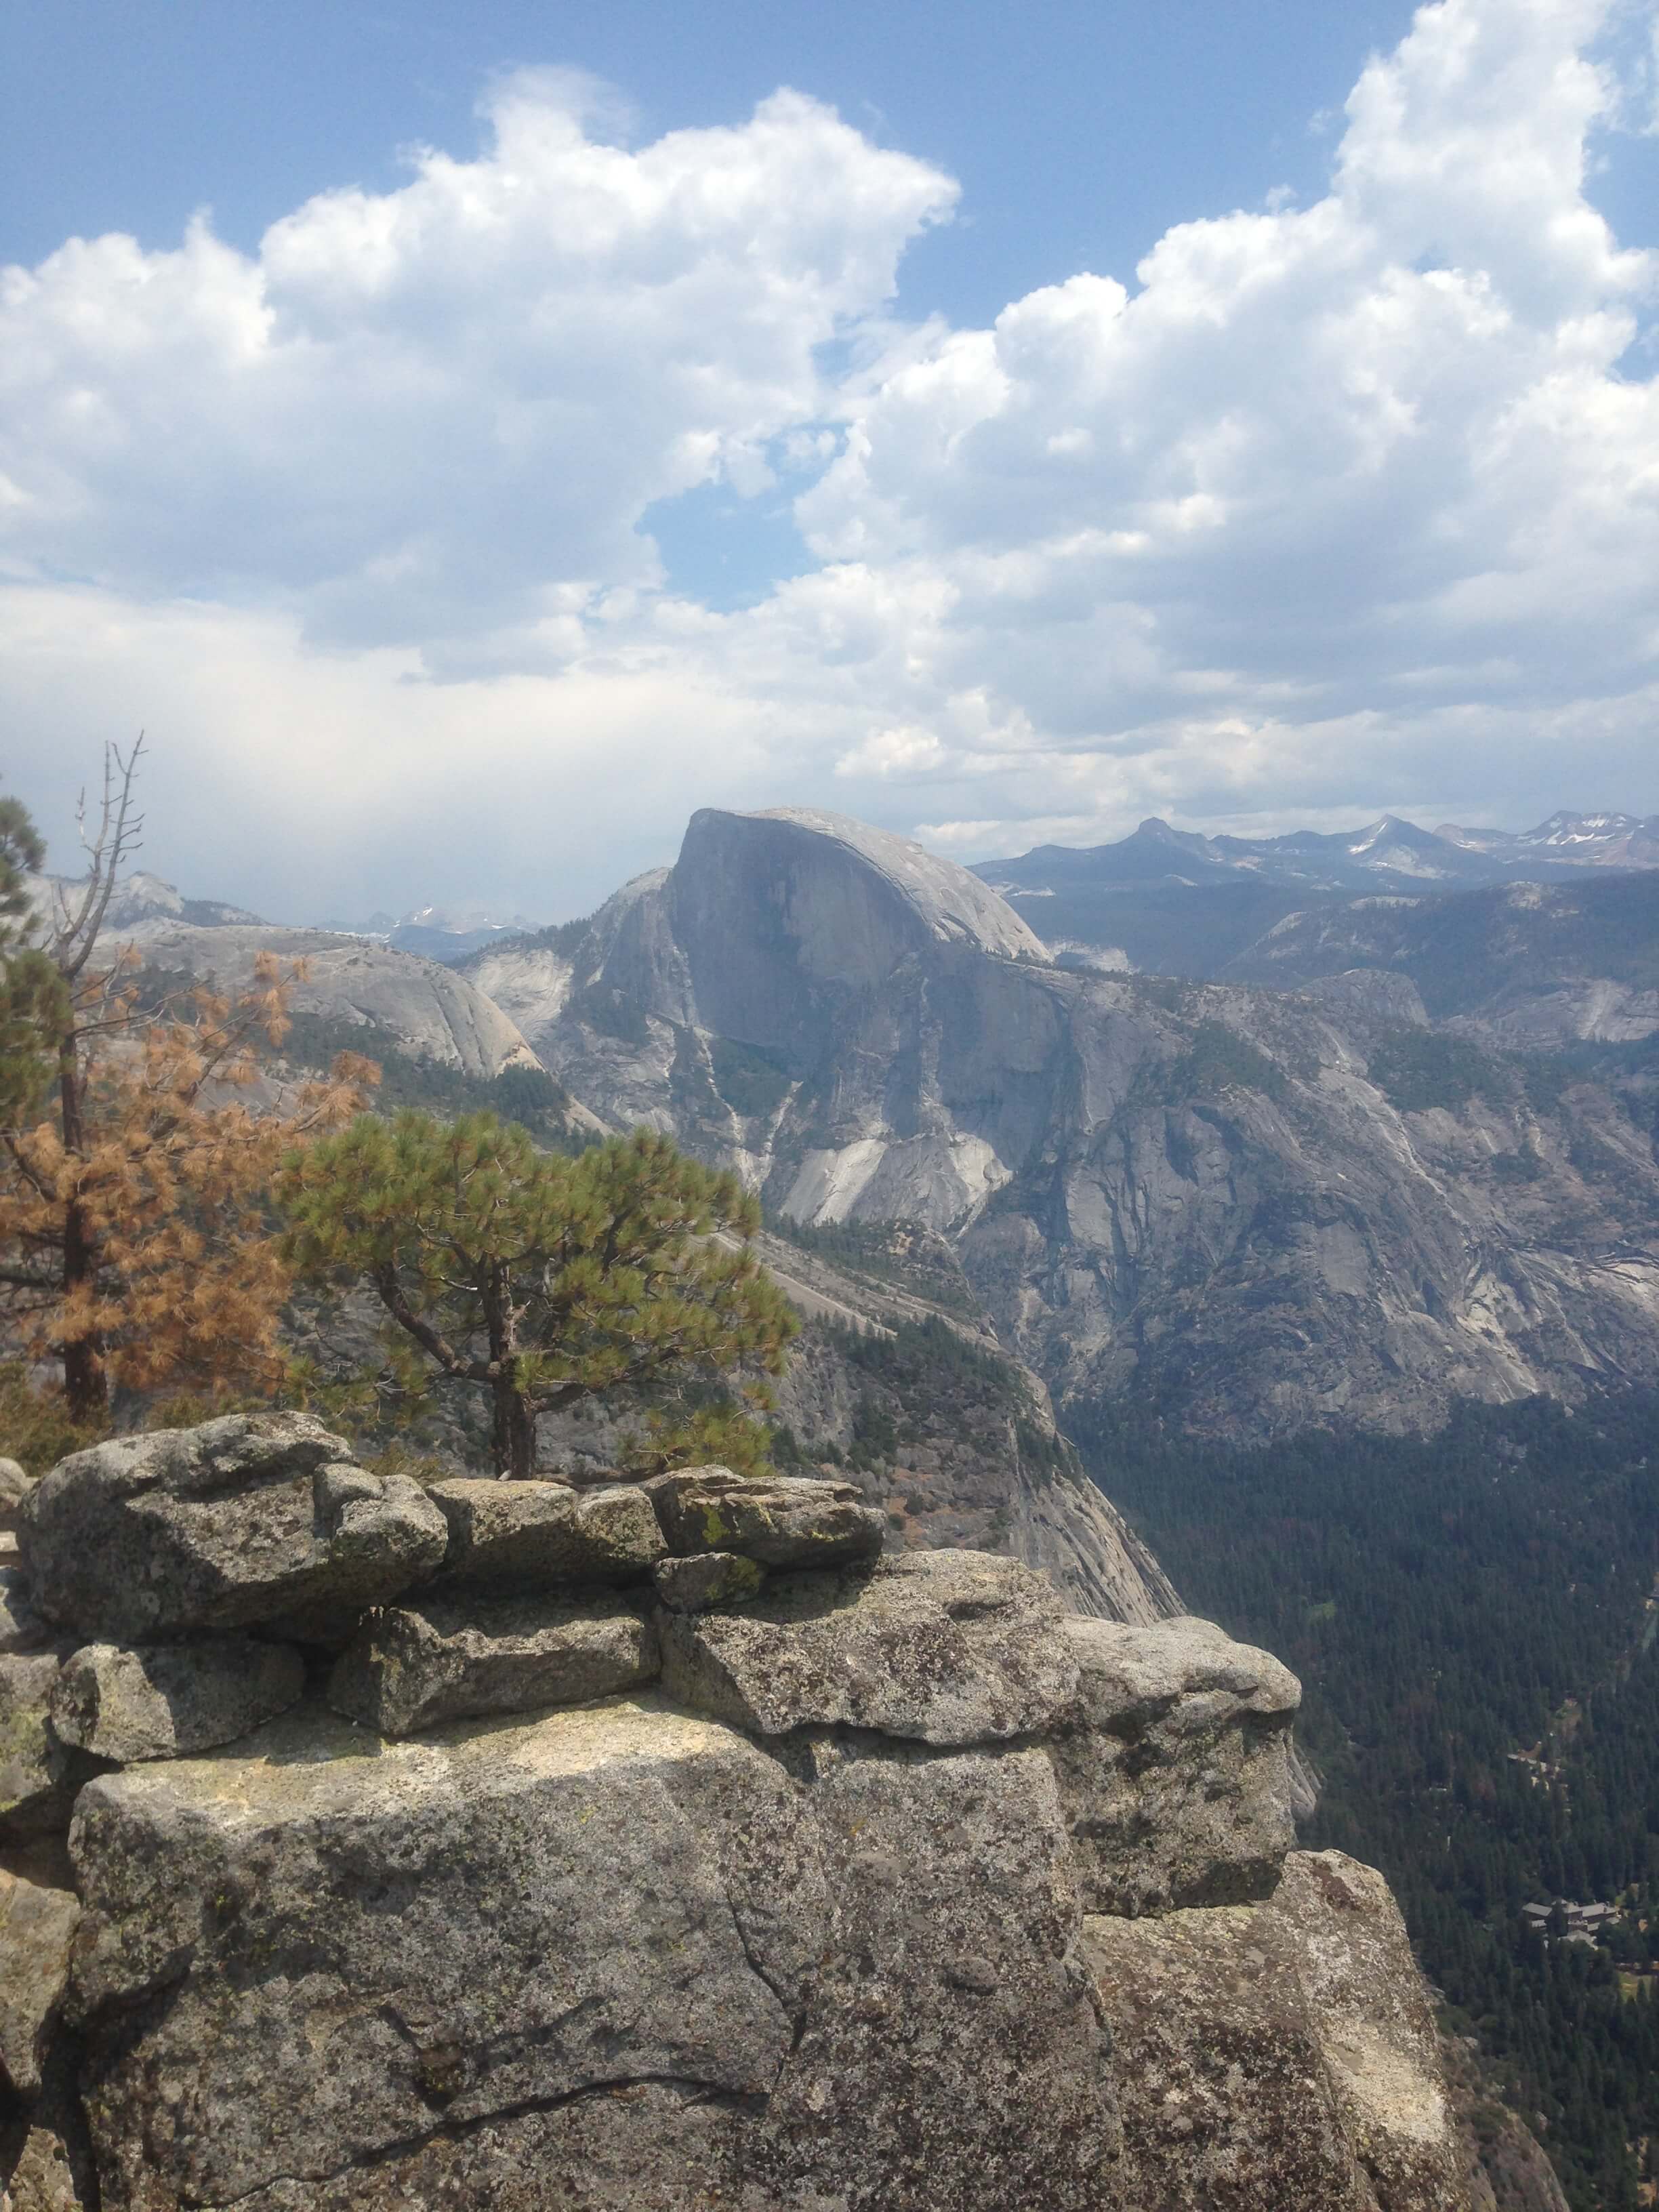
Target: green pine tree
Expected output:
[541,1280]
[31,994]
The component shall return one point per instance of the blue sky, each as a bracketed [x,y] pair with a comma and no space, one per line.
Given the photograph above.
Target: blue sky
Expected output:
[650,441]
[1081,132]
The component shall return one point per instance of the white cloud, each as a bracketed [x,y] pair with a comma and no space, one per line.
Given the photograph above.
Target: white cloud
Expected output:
[1346,505]
[1383,466]
[905,751]
[414,412]
[309,783]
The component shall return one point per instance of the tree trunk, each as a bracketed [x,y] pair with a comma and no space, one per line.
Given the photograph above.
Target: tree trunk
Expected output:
[86,1384]
[513,1424]
[513,1431]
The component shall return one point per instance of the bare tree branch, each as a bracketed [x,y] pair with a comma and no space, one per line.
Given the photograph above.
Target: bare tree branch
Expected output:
[391,1294]
[117,837]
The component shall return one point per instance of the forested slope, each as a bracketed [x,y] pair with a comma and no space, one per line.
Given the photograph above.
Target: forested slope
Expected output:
[1470,1614]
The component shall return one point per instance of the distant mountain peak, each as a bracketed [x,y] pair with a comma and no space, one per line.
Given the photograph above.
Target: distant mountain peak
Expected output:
[141,897]
[1564,828]
[1156,830]
[1607,837]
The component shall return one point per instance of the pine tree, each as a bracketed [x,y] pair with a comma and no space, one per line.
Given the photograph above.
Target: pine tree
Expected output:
[31,991]
[544,1280]
[135,1248]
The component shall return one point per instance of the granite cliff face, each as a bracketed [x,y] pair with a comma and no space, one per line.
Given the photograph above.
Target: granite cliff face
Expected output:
[1225,1198]
[597,1866]
[969,1451]
[394,999]
[398,1000]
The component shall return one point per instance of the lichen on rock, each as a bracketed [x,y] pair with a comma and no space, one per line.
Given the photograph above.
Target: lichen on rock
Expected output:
[166,1700]
[938,1647]
[1173,1766]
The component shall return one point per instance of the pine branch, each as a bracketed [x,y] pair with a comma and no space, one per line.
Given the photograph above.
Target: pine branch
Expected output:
[391,1294]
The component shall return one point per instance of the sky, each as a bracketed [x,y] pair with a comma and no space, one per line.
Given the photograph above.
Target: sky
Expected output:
[466,438]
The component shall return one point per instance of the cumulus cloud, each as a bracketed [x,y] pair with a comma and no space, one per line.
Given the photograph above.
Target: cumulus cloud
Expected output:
[1329,484]
[1322,508]
[421,412]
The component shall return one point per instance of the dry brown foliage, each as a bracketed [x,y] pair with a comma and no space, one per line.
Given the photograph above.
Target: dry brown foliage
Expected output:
[134,1234]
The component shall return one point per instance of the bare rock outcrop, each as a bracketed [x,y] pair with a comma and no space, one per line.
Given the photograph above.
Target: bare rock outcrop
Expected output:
[1175,1766]
[782,1521]
[423,1008]
[35,1794]
[1206,1192]
[37,1927]
[521,1535]
[902,1890]
[239,1521]
[932,1647]
[707,1582]
[1315,2084]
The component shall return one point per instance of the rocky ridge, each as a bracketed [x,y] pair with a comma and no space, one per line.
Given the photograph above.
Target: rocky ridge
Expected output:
[1536,967]
[430,1010]
[418,1004]
[975,1457]
[664,1847]
[1218,1197]
[1176,902]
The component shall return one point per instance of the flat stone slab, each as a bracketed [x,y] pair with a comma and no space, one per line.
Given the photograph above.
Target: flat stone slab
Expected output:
[783,1521]
[707,1580]
[366,1944]
[939,1647]
[166,1700]
[219,1527]
[1173,1766]
[37,1926]
[444,1659]
[523,1535]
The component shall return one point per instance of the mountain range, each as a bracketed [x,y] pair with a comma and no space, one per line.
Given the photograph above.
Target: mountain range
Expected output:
[445,933]
[1389,853]
[1255,1208]
[1399,1151]
[1175,901]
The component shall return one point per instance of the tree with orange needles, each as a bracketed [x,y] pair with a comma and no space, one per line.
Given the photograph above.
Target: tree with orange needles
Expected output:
[134,1244]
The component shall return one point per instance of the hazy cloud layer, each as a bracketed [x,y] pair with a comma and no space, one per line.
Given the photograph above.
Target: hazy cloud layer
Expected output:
[1335,506]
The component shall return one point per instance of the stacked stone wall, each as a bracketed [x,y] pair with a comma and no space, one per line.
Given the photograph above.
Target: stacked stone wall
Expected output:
[661,1846]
